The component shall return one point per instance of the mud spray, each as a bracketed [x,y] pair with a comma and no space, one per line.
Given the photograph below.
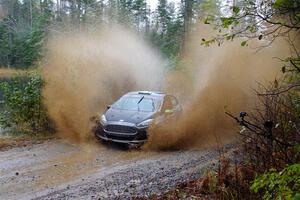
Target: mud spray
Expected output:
[86,71]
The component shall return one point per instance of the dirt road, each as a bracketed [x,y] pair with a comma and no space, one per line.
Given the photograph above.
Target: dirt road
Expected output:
[59,170]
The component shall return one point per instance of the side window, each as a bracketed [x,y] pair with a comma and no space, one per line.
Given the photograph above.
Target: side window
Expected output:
[174,101]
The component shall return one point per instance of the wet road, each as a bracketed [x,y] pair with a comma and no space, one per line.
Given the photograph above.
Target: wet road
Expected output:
[59,170]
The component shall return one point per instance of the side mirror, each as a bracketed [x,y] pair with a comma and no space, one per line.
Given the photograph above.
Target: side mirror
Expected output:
[168,111]
[108,107]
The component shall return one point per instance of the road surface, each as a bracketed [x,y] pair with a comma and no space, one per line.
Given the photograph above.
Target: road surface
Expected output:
[57,169]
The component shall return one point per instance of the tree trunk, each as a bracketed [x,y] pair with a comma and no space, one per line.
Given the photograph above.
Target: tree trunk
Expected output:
[30,13]
[58,9]
[187,18]
[11,15]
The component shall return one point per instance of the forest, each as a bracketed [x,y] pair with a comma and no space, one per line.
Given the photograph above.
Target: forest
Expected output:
[25,25]
[266,161]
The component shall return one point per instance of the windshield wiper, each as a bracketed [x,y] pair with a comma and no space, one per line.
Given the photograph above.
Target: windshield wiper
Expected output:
[141,99]
[140,102]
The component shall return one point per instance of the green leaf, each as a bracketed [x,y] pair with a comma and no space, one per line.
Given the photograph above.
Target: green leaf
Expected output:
[236,9]
[283,4]
[297,147]
[297,196]
[282,184]
[228,37]
[206,21]
[243,43]
[227,21]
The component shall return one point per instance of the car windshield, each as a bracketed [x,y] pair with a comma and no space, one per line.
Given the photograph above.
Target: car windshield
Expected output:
[141,103]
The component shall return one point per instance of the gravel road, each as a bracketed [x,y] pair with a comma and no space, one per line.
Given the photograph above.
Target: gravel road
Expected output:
[60,170]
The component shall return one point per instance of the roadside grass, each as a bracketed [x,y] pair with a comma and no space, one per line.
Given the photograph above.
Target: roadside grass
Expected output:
[13,140]
[194,189]
[223,182]
[225,179]
[10,72]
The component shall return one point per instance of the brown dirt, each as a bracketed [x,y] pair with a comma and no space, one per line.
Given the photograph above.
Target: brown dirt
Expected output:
[8,143]
[58,169]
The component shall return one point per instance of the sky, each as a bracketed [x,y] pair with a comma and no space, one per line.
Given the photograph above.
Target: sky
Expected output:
[153,4]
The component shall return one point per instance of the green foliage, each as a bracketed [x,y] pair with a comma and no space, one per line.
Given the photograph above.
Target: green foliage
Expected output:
[25,26]
[244,43]
[227,21]
[264,150]
[279,185]
[207,43]
[236,9]
[168,33]
[209,8]
[248,19]
[283,4]
[22,106]
[22,36]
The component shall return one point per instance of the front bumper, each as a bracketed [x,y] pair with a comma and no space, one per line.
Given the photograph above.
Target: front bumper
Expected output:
[121,141]
[121,132]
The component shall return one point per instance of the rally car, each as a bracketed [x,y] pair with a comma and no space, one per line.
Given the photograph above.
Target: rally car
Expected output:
[128,119]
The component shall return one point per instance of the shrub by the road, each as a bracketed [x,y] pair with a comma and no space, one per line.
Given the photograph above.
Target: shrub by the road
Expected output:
[269,148]
[22,105]
[279,185]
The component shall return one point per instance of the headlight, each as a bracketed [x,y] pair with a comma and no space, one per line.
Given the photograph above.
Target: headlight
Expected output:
[145,123]
[103,120]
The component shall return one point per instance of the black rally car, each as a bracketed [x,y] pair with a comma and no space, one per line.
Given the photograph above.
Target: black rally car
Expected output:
[127,120]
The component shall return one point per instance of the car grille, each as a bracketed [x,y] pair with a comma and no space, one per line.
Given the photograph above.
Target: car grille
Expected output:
[120,137]
[120,129]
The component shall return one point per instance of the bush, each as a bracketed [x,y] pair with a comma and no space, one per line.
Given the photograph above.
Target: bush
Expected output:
[279,185]
[268,147]
[271,136]
[22,105]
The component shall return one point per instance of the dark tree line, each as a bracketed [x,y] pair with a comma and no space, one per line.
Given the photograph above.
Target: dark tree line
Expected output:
[25,24]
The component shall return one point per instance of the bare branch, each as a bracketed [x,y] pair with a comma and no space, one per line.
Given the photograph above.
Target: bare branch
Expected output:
[279,92]
[292,62]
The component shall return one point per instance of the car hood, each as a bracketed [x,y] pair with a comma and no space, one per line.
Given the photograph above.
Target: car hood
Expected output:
[129,116]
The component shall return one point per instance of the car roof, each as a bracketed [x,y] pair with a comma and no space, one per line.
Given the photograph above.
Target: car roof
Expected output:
[146,93]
